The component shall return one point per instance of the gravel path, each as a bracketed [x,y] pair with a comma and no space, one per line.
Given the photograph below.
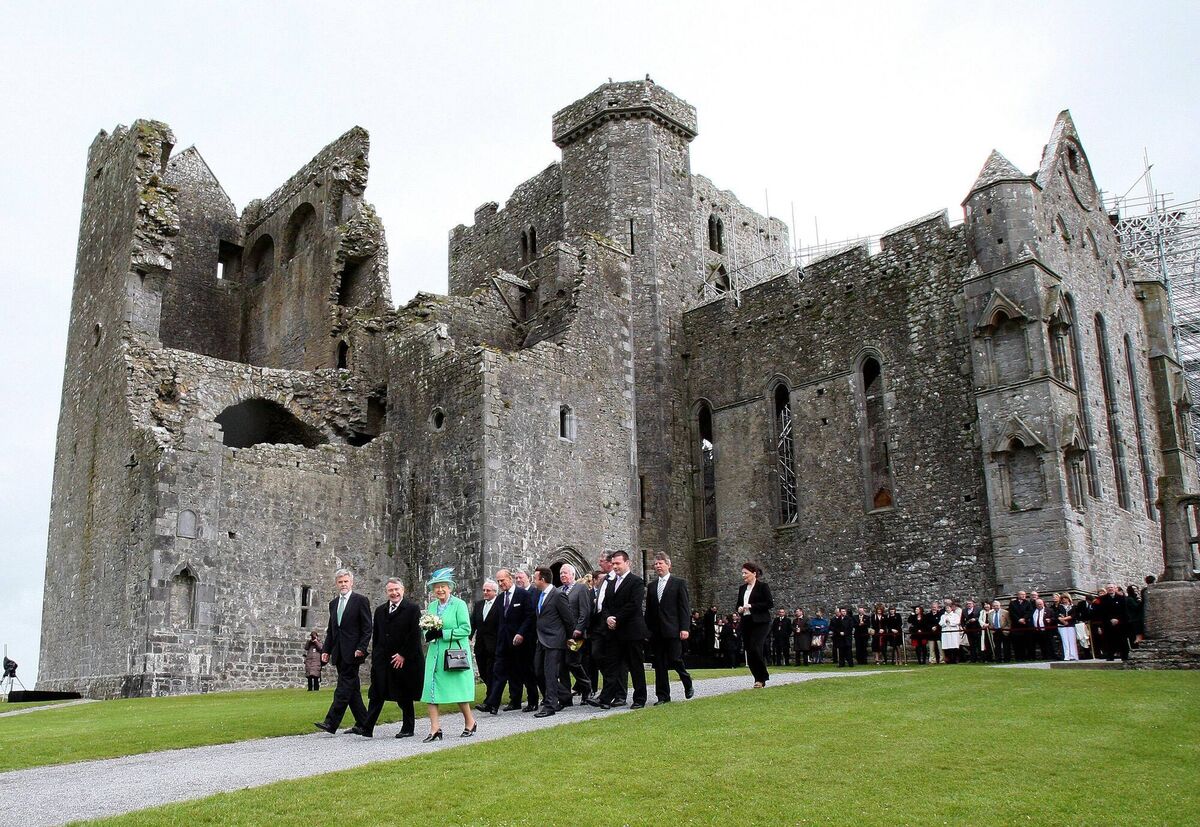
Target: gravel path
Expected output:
[62,705]
[92,789]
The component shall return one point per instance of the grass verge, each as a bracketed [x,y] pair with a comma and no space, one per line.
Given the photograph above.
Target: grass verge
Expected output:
[944,746]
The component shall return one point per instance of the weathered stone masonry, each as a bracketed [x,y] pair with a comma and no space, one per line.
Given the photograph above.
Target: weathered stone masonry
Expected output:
[625,360]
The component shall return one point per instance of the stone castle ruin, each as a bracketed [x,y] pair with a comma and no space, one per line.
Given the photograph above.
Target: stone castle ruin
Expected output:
[625,359]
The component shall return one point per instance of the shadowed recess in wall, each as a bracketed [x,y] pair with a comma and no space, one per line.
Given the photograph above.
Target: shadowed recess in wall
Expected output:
[258,421]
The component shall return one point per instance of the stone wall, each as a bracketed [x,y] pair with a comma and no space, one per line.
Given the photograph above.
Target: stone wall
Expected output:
[749,247]
[500,239]
[202,299]
[812,334]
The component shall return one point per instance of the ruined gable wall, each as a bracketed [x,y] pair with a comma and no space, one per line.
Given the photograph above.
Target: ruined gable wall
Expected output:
[901,304]
[290,262]
[753,248]
[200,312]
[493,242]
[1058,239]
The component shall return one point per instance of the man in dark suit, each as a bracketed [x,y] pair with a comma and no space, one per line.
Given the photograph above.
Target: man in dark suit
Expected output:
[397,663]
[485,622]
[841,632]
[602,640]
[579,599]
[527,677]
[1020,615]
[669,618]
[554,624]
[627,630]
[514,630]
[346,642]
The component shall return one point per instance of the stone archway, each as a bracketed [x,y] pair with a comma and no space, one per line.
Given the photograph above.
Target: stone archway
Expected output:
[567,554]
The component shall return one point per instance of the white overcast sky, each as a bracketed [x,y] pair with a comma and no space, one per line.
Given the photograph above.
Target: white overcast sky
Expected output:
[858,118]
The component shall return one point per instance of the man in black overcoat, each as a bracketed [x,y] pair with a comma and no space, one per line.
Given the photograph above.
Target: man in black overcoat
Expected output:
[397,663]
[1020,615]
[346,642]
[781,638]
[485,624]
[669,618]
[1111,614]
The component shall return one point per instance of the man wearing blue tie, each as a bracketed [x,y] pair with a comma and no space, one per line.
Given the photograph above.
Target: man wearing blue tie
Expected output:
[554,625]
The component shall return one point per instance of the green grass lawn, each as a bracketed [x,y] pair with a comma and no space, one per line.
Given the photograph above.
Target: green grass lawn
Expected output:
[957,745]
[136,725]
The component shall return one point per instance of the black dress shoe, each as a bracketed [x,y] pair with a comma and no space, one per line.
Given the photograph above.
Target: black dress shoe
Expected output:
[543,713]
[662,701]
[595,703]
[511,708]
[617,702]
[491,710]
[357,730]
[403,734]
[636,705]
[529,708]
[433,736]
[689,693]
[324,727]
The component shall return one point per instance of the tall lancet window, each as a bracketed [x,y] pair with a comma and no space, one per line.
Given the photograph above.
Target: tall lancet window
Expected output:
[785,455]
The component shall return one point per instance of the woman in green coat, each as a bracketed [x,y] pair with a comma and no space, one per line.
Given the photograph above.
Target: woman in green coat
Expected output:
[444,686]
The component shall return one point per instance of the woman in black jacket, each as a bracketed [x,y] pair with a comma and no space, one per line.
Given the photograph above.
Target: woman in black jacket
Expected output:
[754,604]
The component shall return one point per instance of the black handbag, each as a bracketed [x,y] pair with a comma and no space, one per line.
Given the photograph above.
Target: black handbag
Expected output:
[456,660]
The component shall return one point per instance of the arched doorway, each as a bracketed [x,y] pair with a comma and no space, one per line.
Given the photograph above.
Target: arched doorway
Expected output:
[567,554]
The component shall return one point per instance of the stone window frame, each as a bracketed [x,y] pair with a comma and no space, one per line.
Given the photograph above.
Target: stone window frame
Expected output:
[860,391]
[568,429]
[305,599]
[1139,426]
[1116,441]
[1079,374]
[1017,436]
[191,573]
[786,488]
[999,310]
[701,527]
[182,527]
[437,419]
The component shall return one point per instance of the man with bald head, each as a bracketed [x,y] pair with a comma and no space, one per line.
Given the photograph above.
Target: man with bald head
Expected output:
[514,630]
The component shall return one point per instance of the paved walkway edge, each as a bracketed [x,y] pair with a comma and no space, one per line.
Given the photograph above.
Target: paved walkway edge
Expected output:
[115,786]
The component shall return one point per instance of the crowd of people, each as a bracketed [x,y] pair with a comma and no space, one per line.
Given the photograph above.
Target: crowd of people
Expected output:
[547,641]
[1027,627]
[544,643]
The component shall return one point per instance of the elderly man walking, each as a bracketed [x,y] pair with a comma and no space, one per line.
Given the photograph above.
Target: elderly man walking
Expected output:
[346,642]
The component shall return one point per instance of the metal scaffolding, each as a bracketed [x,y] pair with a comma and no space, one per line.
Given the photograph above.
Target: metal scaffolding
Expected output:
[1163,236]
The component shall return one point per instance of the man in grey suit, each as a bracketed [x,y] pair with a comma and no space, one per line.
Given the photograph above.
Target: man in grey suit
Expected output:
[554,624]
[579,598]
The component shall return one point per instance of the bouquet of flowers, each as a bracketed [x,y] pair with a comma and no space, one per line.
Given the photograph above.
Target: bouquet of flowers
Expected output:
[430,623]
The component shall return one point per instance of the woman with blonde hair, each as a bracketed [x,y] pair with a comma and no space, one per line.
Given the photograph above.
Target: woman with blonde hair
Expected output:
[449,678]
[1065,617]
